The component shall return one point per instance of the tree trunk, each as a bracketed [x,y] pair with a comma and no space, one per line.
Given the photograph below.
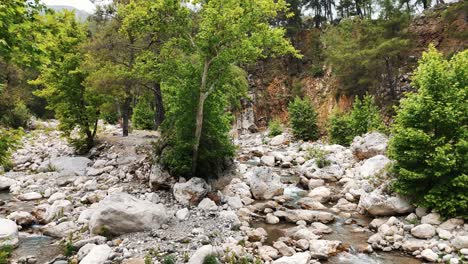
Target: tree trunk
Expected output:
[159,113]
[126,115]
[199,117]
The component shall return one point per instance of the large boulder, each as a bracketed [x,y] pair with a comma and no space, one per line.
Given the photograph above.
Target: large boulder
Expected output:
[61,230]
[278,140]
[423,231]
[372,167]
[57,210]
[98,255]
[321,249]
[8,233]
[121,213]
[191,192]
[160,179]
[264,183]
[73,165]
[378,203]
[369,145]
[22,218]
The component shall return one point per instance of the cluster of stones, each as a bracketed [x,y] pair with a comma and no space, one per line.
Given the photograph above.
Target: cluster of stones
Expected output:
[115,206]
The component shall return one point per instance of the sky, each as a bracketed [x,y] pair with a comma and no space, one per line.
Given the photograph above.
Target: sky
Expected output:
[85,5]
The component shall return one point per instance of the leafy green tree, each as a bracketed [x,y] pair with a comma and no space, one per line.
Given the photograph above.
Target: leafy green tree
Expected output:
[232,32]
[303,119]
[17,117]
[364,53]
[143,115]
[430,136]
[275,128]
[61,81]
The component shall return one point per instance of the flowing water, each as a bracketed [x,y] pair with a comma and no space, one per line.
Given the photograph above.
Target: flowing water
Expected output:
[353,236]
[43,248]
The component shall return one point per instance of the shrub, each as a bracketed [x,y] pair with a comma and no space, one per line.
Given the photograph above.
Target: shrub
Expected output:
[211,259]
[320,157]
[143,115]
[169,259]
[5,253]
[303,119]
[339,129]
[430,136]
[363,118]
[275,128]
[16,117]
[9,140]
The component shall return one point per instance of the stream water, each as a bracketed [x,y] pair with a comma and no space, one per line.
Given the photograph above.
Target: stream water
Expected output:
[352,235]
[43,248]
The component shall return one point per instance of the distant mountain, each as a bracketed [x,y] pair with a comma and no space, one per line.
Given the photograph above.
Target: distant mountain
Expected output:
[80,14]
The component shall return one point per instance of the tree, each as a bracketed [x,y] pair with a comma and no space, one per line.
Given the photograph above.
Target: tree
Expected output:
[232,32]
[366,53]
[430,138]
[61,80]
[303,119]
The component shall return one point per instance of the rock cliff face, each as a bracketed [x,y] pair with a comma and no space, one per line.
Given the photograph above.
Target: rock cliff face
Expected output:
[274,82]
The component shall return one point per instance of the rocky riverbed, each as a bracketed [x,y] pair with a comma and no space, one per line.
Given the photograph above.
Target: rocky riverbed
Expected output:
[283,201]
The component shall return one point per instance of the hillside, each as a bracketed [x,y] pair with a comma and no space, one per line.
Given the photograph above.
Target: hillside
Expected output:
[274,82]
[80,14]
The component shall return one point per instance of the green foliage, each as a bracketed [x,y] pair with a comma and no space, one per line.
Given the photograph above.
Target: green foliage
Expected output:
[319,155]
[339,129]
[9,140]
[303,119]
[211,259]
[363,118]
[143,115]
[275,128]
[148,259]
[363,53]
[5,253]
[169,259]
[430,136]
[17,117]
[62,82]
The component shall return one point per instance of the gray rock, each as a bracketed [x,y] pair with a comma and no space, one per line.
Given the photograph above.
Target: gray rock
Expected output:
[372,167]
[432,219]
[74,165]
[30,196]
[191,192]
[121,213]
[5,183]
[321,249]
[182,214]
[61,230]
[58,209]
[460,242]
[306,215]
[298,258]
[22,218]
[429,255]
[8,233]
[160,179]
[320,194]
[423,231]
[379,204]
[278,140]
[98,255]
[208,205]
[264,183]
[268,161]
[369,145]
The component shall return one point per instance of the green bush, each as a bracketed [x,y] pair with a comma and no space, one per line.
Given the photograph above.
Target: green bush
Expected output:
[275,128]
[169,259]
[320,157]
[339,128]
[143,115]
[430,136]
[9,139]
[211,259]
[16,117]
[303,119]
[5,253]
[363,118]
